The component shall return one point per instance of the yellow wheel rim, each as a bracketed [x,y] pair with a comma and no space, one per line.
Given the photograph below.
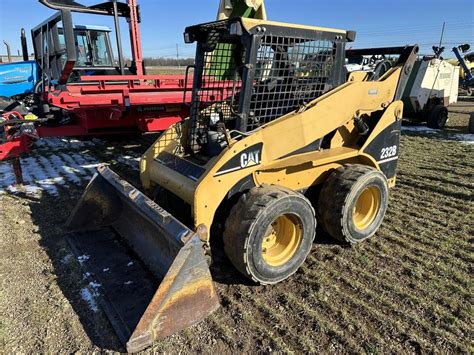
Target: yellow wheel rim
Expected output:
[366,207]
[282,240]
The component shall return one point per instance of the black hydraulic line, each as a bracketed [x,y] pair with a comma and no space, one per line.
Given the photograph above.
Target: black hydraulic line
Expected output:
[118,37]
[24,45]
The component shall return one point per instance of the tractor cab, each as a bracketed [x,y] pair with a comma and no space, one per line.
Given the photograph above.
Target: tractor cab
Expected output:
[93,48]
[67,53]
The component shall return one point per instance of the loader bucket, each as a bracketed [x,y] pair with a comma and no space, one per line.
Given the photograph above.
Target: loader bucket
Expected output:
[149,270]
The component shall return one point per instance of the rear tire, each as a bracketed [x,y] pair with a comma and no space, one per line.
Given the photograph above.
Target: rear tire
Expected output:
[353,202]
[471,123]
[438,117]
[269,233]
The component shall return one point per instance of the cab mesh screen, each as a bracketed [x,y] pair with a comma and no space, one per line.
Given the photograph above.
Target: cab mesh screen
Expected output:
[213,101]
[289,73]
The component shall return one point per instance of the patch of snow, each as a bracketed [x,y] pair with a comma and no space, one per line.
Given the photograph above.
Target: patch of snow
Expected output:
[130,263]
[34,173]
[133,162]
[419,129]
[45,173]
[94,286]
[67,258]
[70,172]
[83,258]
[106,269]
[63,143]
[465,138]
[7,177]
[91,166]
[89,296]
[128,283]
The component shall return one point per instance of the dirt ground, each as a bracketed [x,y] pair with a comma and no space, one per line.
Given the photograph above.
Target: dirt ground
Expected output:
[408,289]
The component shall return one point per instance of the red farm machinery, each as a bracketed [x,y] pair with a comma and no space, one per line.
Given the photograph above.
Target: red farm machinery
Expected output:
[79,89]
[75,87]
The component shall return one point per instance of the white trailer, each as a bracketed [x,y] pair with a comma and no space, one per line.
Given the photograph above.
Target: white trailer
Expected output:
[432,87]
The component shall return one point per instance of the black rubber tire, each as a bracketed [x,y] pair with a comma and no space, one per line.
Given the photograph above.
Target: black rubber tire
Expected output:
[438,117]
[338,196]
[248,222]
[471,123]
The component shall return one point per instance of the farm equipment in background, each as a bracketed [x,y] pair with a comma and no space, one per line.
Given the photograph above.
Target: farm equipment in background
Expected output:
[245,162]
[467,68]
[76,89]
[432,87]
[467,75]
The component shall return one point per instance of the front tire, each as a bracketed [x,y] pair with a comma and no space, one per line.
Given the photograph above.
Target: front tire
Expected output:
[269,233]
[353,202]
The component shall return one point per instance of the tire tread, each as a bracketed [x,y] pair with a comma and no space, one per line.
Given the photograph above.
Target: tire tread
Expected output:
[243,215]
[333,196]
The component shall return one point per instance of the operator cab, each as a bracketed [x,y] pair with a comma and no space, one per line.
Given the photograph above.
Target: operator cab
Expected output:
[94,54]
[250,72]
[93,49]
[65,52]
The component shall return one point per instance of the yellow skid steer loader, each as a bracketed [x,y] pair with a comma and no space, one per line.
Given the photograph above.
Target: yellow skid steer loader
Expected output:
[299,141]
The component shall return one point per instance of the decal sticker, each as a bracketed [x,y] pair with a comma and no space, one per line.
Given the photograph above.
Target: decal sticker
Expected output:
[388,154]
[250,159]
[252,156]
[385,149]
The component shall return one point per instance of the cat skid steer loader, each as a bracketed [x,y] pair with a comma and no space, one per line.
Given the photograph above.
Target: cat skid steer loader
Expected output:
[297,142]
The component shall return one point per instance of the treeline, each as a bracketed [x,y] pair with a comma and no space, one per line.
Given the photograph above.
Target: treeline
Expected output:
[167,62]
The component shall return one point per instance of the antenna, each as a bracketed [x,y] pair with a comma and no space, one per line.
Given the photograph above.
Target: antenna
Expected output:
[442,35]
[439,50]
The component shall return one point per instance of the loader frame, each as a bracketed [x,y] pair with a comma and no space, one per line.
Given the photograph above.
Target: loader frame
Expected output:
[287,121]
[298,148]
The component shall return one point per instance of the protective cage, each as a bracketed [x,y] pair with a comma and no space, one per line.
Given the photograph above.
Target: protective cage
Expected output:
[271,70]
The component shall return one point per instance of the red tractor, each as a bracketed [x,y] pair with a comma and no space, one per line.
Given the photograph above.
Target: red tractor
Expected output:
[79,90]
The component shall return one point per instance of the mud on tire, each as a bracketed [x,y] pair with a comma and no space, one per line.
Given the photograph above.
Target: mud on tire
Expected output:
[264,214]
